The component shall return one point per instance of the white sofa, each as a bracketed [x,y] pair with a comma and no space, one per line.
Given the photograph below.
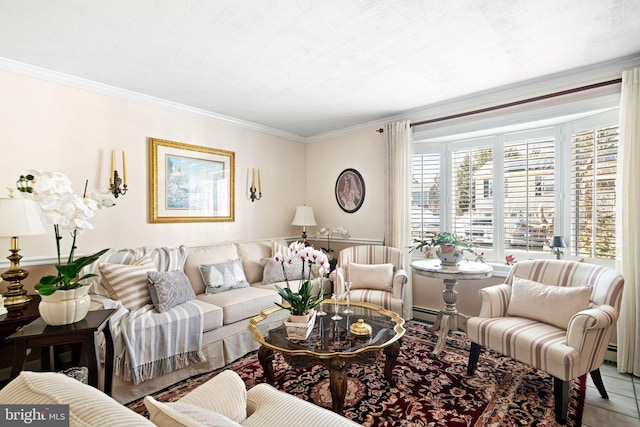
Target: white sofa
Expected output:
[225,315]
[221,401]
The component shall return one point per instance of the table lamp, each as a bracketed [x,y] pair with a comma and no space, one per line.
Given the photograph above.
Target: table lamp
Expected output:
[18,217]
[304,218]
[557,242]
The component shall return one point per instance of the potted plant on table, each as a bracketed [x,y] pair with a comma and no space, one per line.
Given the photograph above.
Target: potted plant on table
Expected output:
[449,248]
[64,296]
[301,303]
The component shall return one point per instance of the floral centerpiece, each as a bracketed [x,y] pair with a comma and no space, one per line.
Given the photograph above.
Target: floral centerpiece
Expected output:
[60,207]
[449,247]
[328,234]
[302,302]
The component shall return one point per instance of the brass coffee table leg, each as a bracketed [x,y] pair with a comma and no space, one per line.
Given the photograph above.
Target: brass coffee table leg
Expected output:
[337,383]
[265,357]
[391,352]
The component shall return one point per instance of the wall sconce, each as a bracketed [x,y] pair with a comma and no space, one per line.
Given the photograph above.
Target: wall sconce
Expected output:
[557,242]
[252,188]
[114,179]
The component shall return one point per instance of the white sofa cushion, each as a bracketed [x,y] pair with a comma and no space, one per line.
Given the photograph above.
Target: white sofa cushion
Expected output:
[555,305]
[176,414]
[210,254]
[88,406]
[251,254]
[371,276]
[225,393]
[242,303]
[212,314]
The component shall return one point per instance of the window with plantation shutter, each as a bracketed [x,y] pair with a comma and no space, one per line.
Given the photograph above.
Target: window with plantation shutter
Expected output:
[425,195]
[529,191]
[593,192]
[471,195]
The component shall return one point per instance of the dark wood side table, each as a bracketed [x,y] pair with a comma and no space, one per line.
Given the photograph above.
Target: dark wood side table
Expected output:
[82,336]
[13,320]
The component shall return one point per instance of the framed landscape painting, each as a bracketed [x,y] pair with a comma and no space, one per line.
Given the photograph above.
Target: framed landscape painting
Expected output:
[190,183]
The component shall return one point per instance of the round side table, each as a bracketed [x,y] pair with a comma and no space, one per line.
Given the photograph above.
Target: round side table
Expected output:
[449,319]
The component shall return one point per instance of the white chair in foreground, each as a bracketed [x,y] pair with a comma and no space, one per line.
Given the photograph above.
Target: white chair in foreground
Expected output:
[557,316]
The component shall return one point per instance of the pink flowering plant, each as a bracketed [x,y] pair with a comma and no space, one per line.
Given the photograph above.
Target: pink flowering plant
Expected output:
[302,301]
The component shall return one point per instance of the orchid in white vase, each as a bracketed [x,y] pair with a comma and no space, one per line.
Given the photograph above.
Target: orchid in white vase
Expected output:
[302,301]
[62,208]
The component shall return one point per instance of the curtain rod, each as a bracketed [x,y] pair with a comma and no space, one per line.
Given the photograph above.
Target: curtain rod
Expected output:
[515,103]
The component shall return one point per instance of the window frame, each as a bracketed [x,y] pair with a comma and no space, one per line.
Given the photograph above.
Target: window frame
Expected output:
[560,128]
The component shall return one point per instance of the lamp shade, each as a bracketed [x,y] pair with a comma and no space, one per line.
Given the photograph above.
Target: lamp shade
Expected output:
[304,216]
[19,217]
[558,242]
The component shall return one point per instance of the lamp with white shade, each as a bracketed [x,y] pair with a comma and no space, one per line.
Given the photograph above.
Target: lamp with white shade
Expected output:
[18,217]
[304,218]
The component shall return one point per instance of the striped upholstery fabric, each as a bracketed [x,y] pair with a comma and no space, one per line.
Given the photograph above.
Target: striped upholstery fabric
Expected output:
[372,254]
[565,354]
[88,406]
[128,283]
[164,259]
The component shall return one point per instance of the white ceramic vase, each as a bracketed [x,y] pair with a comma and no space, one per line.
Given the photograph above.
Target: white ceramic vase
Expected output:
[449,255]
[65,307]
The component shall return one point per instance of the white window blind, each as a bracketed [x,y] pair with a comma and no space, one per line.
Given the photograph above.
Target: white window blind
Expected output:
[425,195]
[472,194]
[529,191]
[593,192]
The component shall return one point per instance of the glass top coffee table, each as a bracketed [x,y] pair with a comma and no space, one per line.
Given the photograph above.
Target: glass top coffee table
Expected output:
[332,345]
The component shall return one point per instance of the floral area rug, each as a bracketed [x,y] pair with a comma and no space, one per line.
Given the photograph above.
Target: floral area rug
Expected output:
[428,392]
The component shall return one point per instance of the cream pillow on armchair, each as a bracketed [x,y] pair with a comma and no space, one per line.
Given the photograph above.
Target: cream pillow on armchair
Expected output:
[371,276]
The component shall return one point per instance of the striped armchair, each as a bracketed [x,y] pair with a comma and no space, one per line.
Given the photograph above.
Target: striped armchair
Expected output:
[520,319]
[391,298]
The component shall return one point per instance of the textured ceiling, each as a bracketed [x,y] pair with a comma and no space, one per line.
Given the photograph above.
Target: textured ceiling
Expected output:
[311,67]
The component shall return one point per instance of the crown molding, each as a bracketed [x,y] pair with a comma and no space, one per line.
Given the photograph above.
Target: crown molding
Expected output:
[508,93]
[90,85]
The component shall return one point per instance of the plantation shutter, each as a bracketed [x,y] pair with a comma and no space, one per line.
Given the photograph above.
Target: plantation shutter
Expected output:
[425,195]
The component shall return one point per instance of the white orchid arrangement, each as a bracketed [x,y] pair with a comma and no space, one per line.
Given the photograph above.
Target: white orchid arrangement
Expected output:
[329,233]
[61,207]
[302,301]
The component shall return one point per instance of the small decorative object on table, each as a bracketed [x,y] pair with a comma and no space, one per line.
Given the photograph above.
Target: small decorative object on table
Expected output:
[64,296]
[301,304]
[348,310]
[336,316]
[449,248]
[360,329]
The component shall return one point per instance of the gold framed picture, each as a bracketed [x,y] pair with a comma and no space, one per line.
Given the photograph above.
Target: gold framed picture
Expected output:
[190,183]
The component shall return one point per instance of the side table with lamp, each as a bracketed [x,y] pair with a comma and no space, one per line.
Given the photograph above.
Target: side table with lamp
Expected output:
[20,217]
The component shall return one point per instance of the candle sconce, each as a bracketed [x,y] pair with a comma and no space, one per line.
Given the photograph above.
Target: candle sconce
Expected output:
[117,185]
[255,193]
[114,188]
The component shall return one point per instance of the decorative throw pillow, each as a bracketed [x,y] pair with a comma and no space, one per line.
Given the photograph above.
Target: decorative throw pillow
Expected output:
[182,414]
[128,283]
[168,289]
[371,276]
[273,270]
[223,276]
[555,305]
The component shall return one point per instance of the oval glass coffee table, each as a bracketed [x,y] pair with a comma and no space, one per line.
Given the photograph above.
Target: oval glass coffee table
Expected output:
[332,345]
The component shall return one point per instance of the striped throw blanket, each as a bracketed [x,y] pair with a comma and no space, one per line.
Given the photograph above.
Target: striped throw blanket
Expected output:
[148,343]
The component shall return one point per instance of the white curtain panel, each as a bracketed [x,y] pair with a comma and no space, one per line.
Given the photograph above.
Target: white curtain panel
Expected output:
[398,151]
[629,223]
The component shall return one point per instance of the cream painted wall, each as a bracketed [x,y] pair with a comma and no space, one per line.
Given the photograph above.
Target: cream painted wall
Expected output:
[51,126]
[364,152]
